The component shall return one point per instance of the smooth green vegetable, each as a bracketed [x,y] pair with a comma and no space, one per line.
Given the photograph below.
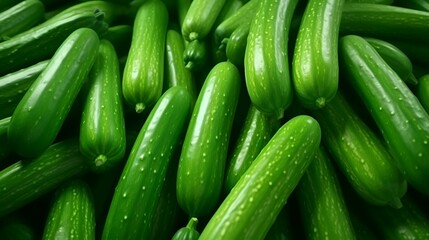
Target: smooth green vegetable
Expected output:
[5,4]
[135,199]
[315,58]
[72,214]
[189,232]
[266,61]
[143,76]
[360,154]
[399,115]
[102,136]
[236,45]
[5,150]
[252,206]
[422,5]
[422,91]
[40,114]
[202,161]
[21,17]
[195,55]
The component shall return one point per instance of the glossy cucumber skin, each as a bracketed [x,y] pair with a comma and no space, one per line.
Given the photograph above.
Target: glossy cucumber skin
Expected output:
[323,208]
[4,5]
[200,18]
[266,64]
[196,55]
[360,154]
[24,181]
[315,66]
[14,85]
[384,21]
[252,206]
[134,202]
[21,17]
[236,45]
[202,161]
[257,130]
[72,214]
[403,121]
[40,114]
[395,58]
[143,76]
[5,151]
[422,91]
[18,52]
[102,130]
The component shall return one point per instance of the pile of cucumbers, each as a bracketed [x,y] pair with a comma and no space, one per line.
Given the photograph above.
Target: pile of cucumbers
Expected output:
[214,119]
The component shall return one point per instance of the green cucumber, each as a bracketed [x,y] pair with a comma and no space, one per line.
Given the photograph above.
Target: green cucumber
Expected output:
[40,114]
[323,208]
[399,115]
[422,5]
[236,45]
[195,55]
[200,18]
[416,51]
[384,22]
[315,65]
[102,131]
[21,17]
[189,232]
[422,91]
[143,76]
[14,85]
[266,62]
[396,59]
[182,9]
[229,8]
[72,214]
[360,154]
[5,4]
[252,206]
[255,133]
[202,161]
[176,72]
[5,150]
[134,202]
[24,181]
[19,51]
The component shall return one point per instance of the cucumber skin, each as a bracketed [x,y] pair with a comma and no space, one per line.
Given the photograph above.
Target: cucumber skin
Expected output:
[266,64]
[14,85]
[5,151]
[202,161]
[236,45]
[323,207]
[40,114]
[20,18]
[102,131]
[24,181]
[252,206]
[134,202]
[72,214]
[143,76]
[315,66]
[360,154]
[422,91]
[403,121]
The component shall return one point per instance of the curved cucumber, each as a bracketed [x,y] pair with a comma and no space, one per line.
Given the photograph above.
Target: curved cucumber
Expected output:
[403,121]
[202,161]
[102,130]
[40,114]
[135,199]
[143,76]
[236,44]
[360,154]
[252,206]
[315,59]
[266,61]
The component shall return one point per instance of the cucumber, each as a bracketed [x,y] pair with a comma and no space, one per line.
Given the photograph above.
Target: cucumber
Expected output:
[24,181]
[200,18]
[14,85]
[422,5]
[40,114]
[5,151]
[266,63]
[189,232]
[396,59]
[422,91]
[236,45]
[384,22]
[182,9]
[360,154]
[72,214]
[323,208]
[5,4]
[315,65]
[195,55]
[202,161]
[134,202]
[252,206]
[416,51]
[143,75]
[176,72]
[21,17]
[102,131]
[399,115]
[255,133]
[18,52]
